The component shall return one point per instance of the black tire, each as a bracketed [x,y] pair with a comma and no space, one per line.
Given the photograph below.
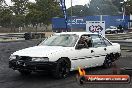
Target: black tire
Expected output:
[117,56]
[62,68]
[116,32]
[107,62]
[112,56]
[24,72]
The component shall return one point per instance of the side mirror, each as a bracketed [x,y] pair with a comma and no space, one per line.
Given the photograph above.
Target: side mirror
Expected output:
[80,46]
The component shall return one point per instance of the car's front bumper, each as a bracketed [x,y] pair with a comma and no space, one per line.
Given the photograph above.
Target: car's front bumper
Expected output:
[32,66]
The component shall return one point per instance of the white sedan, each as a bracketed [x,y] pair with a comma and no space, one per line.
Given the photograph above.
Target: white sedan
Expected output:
[111,30]
[64,52]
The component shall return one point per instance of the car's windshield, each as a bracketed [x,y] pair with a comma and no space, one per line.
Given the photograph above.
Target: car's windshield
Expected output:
[64,40]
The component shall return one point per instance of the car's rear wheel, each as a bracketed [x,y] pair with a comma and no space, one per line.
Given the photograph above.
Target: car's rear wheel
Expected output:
[24,72]
[62,68]
[107,62]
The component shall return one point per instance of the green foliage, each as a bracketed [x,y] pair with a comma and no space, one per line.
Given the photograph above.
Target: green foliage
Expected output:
[118,4]
[42,11]
[19,6]
[23,13]
[18,20]
[5,18]
[2,2]
[96,7]
[103,7]
[48,9]
[33,16]
[128,7]
[77,10]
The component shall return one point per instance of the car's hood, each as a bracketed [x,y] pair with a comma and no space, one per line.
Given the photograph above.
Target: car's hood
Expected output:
[40,51]
[115,44]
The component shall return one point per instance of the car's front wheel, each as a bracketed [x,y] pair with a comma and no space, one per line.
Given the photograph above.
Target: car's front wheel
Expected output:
[62,68]
[107,62]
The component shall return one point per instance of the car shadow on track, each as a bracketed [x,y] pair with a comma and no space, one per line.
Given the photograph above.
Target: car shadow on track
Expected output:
[45,79]
[48,76]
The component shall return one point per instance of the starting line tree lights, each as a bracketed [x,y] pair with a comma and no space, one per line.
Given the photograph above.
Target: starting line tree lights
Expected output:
[63,6]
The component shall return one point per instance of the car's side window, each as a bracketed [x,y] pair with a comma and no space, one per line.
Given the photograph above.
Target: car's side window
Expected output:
[97,41]
[84,42]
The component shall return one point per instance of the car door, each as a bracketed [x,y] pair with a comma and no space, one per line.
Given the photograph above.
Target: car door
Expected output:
[82,56]
[109,46]
[100,50]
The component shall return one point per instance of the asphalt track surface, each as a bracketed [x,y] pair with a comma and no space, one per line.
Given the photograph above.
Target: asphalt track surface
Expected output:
[12,79]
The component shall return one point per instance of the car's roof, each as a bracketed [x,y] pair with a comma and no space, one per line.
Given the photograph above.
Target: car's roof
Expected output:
[77,33]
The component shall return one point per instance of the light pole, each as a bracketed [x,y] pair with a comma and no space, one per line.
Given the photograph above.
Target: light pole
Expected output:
[123,13]
[123,10]
[101,17]
[71,15]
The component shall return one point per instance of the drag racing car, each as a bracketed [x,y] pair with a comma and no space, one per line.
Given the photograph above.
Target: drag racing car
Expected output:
[64,52]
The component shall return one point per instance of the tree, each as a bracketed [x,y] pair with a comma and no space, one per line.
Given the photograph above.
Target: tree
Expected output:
[19,6]
[118,4]
[42,12]
[18,21]
[95,7]
[128,7]
[3,3]
[78,10]
[103,7]
[5,14]
[48,9]
[23,12]
[34,16]
[5,18]
[19,10]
